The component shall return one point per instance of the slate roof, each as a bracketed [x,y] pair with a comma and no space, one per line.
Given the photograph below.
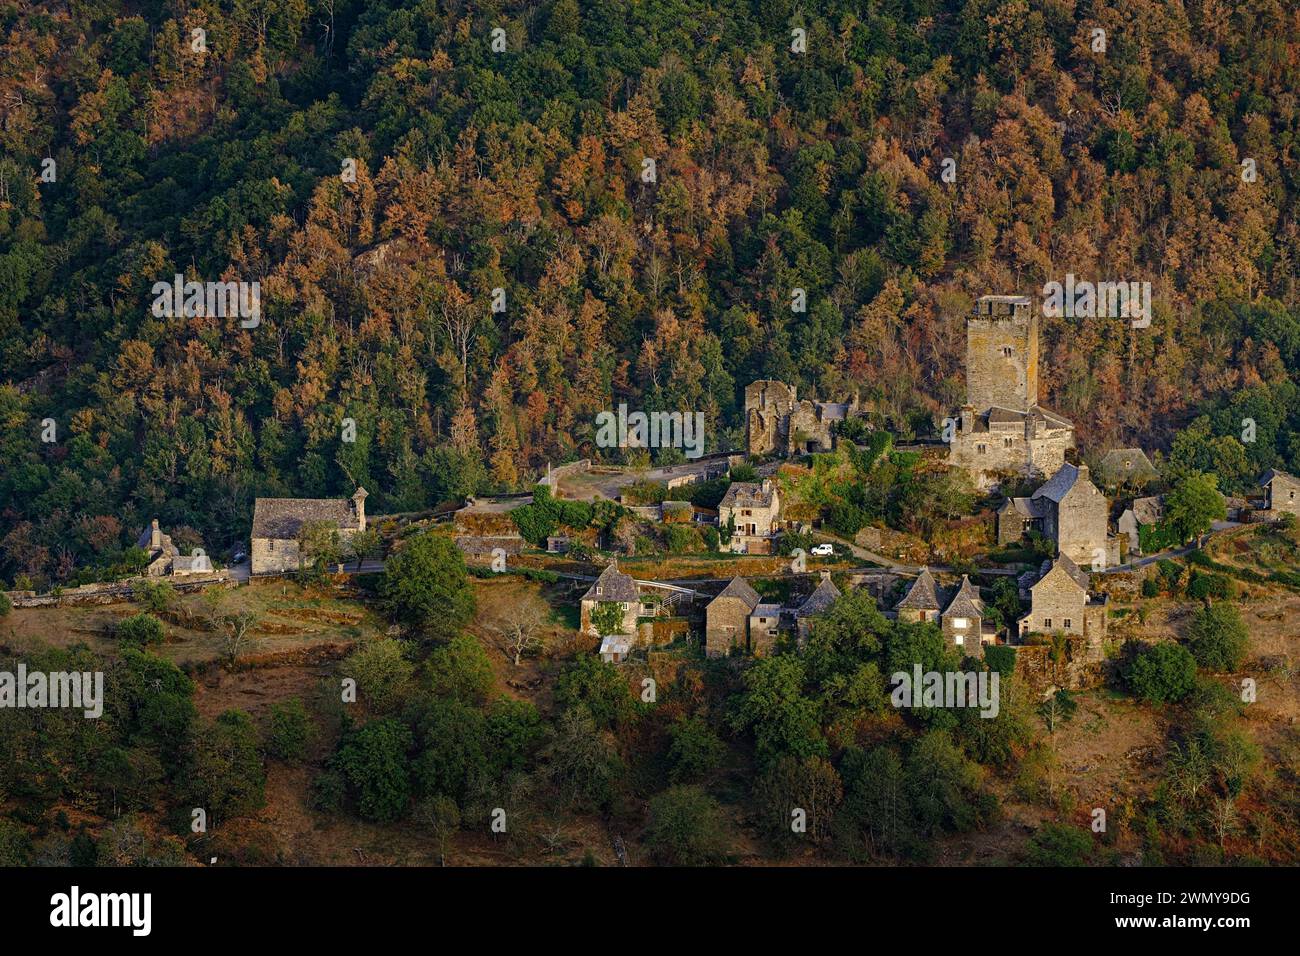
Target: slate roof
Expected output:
[283,518]
[146,537]
[613,585]
[191,562]
[1001,415]
[739,588]
[923,594]
[1059,485]
[748,494]
[1273,474]
[1077,575]
[1113,461]
[821,599]
[966,602]
[1024,506]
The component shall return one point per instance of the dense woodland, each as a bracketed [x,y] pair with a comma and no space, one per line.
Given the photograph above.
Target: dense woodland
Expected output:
[523,170]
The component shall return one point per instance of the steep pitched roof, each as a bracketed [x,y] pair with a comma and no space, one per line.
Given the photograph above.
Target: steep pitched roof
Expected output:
[821,599]
[966,602]
[145,541]
[1059,485]
[283,518]
[613,585]
[1023,506]
[740,589]
[1072,570]
[922,595]
[1273,474]
[1119,460]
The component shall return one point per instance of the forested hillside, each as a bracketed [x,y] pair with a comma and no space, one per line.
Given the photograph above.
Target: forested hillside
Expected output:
[525,170]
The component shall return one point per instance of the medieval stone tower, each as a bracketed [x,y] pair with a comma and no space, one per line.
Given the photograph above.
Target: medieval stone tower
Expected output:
[1002,353]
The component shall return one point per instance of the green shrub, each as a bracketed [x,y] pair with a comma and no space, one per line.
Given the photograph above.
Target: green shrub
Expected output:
[290,730]
[1056,844]
[1162,673]
[1218,637]
[1202,586]
[686,828]
[140,630]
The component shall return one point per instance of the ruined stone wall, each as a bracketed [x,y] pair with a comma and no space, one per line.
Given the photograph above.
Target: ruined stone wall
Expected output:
[1078,669]
[1041,455]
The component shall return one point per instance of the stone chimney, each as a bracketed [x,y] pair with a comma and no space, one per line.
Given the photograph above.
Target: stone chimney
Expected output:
[155,535]
[1083,472]
[967,419]
[359,506]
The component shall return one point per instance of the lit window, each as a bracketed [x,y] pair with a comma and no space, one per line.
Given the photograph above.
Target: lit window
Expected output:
[959,639]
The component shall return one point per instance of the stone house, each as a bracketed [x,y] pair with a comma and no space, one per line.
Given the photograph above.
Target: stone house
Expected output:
[1281,491]
[819,601]
[1143,512]
[765,625]
[278,524]
[962,620]
[1016,517]
[1122,466]
[1068,509]
[1001,428]
[611,587]
[1060,602]
[958,611]
[166,558]
[739,617]
[755,508]
[779,423]
[727,618]
[921,602]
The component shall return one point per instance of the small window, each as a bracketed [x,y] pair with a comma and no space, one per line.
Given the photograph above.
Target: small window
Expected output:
[1007,442]
[959,623]
[981,449]
[1047,622]
[1006,351]
[959,639]
[1068,623]
[1128,463]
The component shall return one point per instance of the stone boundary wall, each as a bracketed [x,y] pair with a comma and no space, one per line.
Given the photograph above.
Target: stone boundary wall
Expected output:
[111,593]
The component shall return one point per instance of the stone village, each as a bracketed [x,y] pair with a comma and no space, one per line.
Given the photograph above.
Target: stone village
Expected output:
[1000,436]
